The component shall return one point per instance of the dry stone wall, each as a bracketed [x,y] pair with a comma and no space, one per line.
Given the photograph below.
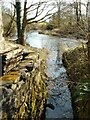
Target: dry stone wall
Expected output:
[23,85]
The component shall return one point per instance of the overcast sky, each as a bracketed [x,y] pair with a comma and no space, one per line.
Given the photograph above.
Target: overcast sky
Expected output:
[7,2]
[44,0]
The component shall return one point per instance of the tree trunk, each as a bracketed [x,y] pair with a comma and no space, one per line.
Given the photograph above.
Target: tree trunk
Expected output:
[77,14]
[76,7]
[24,22]
[59,15]
[21,39]
[21,25]
[18,20]
[80,13]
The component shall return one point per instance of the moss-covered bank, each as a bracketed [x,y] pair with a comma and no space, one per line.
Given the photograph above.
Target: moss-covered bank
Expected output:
[76,64]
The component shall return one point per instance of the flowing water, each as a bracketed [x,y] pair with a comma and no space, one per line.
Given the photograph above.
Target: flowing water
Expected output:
[58,92]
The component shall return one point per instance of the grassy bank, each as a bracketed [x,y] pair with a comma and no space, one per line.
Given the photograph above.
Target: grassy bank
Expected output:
[76,64]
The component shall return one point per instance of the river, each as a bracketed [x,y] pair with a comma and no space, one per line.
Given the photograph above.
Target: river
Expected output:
[58,92]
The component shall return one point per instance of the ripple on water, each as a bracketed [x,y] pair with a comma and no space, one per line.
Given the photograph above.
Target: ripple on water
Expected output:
[59,94]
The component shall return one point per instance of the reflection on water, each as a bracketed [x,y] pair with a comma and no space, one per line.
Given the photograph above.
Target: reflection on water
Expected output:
[58,54]
[36,40]
[58,91]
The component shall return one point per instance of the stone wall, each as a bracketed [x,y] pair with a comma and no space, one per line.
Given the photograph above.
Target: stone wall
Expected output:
[23,87]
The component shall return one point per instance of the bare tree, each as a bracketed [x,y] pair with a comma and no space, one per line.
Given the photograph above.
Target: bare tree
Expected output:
[61,5]
[18,20]
[10,25]
[37,10]
[76,7]
[58,3]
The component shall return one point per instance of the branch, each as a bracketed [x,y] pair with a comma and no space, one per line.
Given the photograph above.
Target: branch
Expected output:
[13,5]
[10,25]
[43,18]
[24,14]
[39,12]
[35,4]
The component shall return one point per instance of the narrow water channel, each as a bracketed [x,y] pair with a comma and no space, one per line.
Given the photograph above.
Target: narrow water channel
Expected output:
[58,92]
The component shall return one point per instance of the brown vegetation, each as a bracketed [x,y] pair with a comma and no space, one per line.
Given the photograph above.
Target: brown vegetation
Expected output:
[76,63]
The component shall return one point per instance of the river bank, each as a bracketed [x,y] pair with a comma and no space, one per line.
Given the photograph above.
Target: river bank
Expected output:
[23,81]
[76,64]
[63,34]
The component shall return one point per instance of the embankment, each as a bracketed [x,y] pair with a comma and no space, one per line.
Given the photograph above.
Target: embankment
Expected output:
[23,82]
[76,64]
[72,33]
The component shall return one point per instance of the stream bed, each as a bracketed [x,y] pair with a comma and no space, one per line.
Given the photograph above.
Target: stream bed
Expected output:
[58,92]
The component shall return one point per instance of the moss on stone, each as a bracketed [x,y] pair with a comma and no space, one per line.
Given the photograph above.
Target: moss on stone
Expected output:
[11,76]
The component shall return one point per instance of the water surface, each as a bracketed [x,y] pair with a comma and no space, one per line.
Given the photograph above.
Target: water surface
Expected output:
[59,94]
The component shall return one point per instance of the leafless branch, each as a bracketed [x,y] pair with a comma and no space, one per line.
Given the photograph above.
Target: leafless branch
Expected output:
[39,12]
[10,25]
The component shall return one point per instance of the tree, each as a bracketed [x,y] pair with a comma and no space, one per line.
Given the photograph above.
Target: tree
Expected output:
[60,5]
[8,17]
[76,7]
[9,24]
[37,9]
[18,21]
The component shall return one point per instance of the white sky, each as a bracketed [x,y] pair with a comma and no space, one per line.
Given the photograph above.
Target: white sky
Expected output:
[7,2]
[42,0]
